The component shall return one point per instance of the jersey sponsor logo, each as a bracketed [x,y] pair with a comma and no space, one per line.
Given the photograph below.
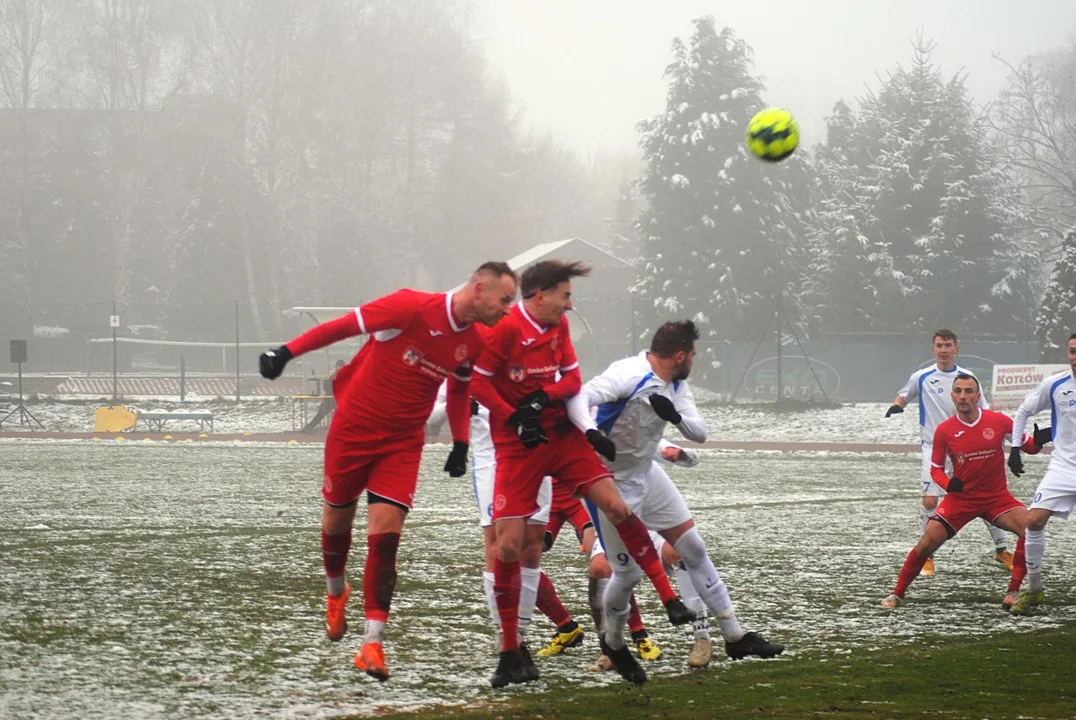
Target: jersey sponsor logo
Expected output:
[435,333]
[461,352]
[988,433]
[517,373]
[412,356]
[527,342]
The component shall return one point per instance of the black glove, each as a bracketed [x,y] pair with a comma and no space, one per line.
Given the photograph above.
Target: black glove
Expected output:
[525,421]
[1041,437]
[1016,464]
[663,406]
[955,485]
[271,363]
[456,465]
[537,401]
[474,407]
[601,444]
[894,409]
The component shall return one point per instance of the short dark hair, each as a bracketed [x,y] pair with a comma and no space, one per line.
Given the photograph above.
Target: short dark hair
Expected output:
[1072,336]
[674,336]
[944,334]
[547,274]
[497,269]
[965,376]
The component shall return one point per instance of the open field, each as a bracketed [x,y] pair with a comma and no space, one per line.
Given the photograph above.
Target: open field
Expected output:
[163,580]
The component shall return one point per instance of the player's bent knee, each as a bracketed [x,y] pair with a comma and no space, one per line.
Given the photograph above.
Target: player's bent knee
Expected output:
[599,568]
[630,575]
[691,547]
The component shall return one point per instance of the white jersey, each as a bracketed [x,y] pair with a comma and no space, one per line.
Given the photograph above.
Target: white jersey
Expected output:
[481,442]
[933,388]
[1058,393]
[621,394]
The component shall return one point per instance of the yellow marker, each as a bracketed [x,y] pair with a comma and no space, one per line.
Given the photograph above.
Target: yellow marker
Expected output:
[202,435]
[188,440]
[167,437]
[293,442]
[147,439]
[247,434]
[120,438]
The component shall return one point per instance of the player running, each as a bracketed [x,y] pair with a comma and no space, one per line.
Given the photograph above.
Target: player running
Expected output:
[515,379]
[635,398]
[974,441]
[376,436]
[1056,493]
[932,387]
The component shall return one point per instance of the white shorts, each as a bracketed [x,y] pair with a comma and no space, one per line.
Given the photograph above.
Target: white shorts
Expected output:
[661,507]
[483,478]
[927,486]
[1056,492]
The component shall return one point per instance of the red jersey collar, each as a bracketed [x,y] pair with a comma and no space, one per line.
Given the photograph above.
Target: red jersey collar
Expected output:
[457,326]
[961,421]
[529,319]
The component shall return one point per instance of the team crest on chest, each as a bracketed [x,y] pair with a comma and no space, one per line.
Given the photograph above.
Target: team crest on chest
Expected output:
[461,352]
[988,433]
[411,356]
[517,374]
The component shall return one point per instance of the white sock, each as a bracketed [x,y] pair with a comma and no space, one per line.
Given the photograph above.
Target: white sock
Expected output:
[690,596]
[924,516]
[374,630]
[334,585]
[998,535]
[708,583]
[491,600]
[1034,549]
[616,604]
[528,596]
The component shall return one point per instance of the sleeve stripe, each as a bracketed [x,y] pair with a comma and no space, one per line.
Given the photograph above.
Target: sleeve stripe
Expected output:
[571,367]
[358,316]
[485,372]
[940,467]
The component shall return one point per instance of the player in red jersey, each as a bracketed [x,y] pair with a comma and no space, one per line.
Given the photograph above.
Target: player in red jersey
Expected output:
[515,377]
[974,439]
[376,436]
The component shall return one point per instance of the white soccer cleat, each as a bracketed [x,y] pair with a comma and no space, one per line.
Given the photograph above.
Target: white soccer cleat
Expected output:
[700,654]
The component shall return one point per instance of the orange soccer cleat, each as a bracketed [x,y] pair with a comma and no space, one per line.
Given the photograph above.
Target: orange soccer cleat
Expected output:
[928,568]
[371,659]
[1004,557]
[335,618]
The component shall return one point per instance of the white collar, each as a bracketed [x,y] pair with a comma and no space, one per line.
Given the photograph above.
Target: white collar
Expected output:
[448,310]
[961,420]
[531,320]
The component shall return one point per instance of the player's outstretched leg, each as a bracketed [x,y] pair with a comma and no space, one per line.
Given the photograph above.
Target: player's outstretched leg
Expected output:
[568,633]
[908,572]
[378,585]
[1001,550]
[711,588]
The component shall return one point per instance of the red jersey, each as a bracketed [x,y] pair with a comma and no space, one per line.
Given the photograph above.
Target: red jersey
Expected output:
[390,387]
[522,357]
[977,451]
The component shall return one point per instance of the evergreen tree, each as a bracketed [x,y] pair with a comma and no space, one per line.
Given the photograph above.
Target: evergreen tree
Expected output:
[716,218]
[919,222]
[1057,316]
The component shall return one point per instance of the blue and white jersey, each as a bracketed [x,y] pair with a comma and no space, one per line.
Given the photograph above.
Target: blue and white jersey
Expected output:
[621,395]
[481,442]
[933,388]
[1056,393]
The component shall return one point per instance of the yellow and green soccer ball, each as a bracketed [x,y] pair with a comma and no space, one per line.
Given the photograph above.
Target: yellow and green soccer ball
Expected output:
[773,134]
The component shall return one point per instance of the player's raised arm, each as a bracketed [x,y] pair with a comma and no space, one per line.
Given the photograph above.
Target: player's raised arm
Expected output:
[392,311]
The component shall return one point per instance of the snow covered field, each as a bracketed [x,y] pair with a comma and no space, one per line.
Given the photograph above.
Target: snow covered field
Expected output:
[855,423]
[166,580]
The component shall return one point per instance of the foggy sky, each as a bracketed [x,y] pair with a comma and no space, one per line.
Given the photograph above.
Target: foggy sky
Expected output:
[590,69]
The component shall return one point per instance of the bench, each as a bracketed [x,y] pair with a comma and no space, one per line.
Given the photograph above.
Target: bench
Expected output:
[155,419]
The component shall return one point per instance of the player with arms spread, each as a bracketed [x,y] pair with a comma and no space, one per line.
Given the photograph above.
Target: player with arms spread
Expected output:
[515,378]
[974,440]
[376,436]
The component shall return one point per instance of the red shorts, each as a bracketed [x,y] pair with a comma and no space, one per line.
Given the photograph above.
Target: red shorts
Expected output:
[568,458]
[388,468]
[567,509]
[957,511]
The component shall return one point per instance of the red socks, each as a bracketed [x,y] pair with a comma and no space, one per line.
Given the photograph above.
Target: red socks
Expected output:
[636,539]
[334,550]
[379,578]
[1019,566]
[549,604]
[506,585]
[912,565]
[635,620]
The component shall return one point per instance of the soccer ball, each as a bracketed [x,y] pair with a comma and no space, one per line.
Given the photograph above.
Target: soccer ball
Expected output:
[773,134]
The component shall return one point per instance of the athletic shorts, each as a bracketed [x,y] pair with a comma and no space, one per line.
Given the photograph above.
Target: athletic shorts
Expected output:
[1056,492]
[567,456]
[957,511]
[927,486]
[385,468]
[658,540]
[567,509]
[661,507]
[483,479]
